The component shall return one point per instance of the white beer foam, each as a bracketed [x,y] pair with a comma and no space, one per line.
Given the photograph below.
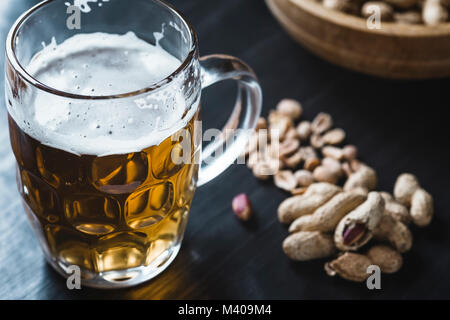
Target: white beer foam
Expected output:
[103,64]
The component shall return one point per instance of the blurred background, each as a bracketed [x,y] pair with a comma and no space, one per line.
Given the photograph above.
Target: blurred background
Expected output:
[398,126]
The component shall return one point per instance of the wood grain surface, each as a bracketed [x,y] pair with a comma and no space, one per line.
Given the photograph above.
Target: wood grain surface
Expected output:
[398,126]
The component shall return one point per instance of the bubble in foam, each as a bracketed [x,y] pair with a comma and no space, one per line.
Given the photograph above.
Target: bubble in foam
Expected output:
[94,63]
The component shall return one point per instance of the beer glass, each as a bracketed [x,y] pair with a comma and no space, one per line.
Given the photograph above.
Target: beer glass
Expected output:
[113,199]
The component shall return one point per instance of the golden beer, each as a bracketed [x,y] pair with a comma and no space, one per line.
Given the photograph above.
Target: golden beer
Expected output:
[106,213]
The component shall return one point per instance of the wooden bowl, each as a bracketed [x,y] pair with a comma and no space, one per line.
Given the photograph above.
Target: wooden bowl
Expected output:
[394,51]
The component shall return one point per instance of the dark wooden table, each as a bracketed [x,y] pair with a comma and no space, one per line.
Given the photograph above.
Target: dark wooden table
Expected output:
[398,126]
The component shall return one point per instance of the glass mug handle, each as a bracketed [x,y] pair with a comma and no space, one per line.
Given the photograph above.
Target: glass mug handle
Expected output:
[247,109]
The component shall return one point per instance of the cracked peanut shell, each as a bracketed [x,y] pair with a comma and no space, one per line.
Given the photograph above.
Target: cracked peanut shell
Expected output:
[355,229]
[350,266]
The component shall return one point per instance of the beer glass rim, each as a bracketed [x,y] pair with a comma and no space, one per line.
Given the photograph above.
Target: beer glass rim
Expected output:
[13,60]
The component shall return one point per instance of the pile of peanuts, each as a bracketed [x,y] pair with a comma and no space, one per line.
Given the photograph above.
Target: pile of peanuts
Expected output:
[428,12]
[327,219]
